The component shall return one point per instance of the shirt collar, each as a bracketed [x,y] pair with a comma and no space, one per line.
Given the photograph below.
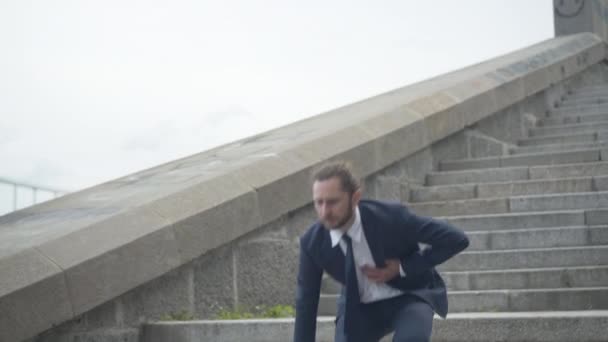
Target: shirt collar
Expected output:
[354,231]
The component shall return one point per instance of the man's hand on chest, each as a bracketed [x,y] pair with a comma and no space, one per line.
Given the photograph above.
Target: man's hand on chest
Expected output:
[383,274]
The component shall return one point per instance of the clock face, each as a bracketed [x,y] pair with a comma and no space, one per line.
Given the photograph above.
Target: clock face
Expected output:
[568,8]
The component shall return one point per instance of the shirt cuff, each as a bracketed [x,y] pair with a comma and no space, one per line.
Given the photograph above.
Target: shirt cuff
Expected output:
[401,271]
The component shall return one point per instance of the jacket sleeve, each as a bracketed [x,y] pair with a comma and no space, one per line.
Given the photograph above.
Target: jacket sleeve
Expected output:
[444,242]
[307,297]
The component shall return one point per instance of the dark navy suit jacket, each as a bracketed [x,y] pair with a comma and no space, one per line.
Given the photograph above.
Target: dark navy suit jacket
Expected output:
[392,232]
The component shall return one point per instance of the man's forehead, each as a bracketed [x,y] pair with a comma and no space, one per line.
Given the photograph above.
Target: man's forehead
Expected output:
[323,189]
[328,181]
[328,184]
[328,196]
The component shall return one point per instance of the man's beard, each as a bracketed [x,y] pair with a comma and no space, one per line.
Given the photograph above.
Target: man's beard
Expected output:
[346,217]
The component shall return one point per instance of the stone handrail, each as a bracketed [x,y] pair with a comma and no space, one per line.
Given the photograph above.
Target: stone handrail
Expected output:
[64,257]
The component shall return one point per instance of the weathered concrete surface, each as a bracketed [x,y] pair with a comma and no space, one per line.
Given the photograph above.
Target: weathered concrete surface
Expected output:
[577,128]
[559,139]
[527,258]
[538,238]
[478,176]
[267,271]
[551,158]
[105,335]
[514,204]
[531,278]
[516,174]
[557,147]
[583,200]
[37,287]
[524,220]
[546,186]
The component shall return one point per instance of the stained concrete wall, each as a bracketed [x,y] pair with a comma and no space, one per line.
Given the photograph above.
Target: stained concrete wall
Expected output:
[220,229]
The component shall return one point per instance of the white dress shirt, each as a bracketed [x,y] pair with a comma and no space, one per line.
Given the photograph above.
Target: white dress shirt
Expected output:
[369,291]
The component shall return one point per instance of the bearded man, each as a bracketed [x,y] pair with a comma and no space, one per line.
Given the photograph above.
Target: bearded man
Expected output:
[373,249]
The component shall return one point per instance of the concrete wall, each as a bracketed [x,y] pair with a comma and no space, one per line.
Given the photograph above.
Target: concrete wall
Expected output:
[220,229]
[575,16]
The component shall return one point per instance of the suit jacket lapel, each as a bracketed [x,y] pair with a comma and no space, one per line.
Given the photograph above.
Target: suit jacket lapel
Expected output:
[373,236]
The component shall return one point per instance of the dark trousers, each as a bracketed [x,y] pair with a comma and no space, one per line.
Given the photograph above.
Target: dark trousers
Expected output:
[409,317]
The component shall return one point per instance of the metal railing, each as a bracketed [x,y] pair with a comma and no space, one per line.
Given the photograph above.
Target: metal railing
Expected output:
[34,191]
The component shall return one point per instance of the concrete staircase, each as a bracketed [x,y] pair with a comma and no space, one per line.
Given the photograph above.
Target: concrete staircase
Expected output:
[538,223]
[537,266]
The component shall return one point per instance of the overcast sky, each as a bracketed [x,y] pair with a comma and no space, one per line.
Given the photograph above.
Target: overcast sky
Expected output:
[94,90]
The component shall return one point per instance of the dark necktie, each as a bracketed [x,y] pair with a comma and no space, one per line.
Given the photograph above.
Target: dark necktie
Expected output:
[352,290]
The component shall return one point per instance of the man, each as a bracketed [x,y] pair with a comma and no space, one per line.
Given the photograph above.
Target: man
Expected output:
[372,248]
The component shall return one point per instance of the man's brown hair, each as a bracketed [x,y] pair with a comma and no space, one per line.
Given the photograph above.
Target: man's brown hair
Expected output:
[341,170]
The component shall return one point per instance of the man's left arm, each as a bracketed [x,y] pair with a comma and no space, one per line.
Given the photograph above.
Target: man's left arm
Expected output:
[443,240]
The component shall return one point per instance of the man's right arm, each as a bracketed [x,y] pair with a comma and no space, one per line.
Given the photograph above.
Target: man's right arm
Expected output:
[307,297]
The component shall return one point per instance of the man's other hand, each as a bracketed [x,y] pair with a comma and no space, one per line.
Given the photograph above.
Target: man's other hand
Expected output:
[384,274]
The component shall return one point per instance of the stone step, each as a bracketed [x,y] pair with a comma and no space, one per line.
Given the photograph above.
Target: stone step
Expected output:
[558,299]
[582,200]
[568,170]
[558,147]
[538,238]
[587,298]
[559,139]
[593,99]
[601,93]
[580,326]
[462,207]
[506,174]
[552,326]
[513,204]
[586,92]
[529,220]
[588,100]
[584,96]
[527,258]
[581,128]
[556,120]
[579,110]
[590,88]
[527,278]
[479,176]
[584,102]
[444,193]
[551,158]
[504,189]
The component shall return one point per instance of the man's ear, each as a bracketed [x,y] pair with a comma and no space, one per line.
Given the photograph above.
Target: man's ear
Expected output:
[356,197]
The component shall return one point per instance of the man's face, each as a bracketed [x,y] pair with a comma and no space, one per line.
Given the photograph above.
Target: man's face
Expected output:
[334,206]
